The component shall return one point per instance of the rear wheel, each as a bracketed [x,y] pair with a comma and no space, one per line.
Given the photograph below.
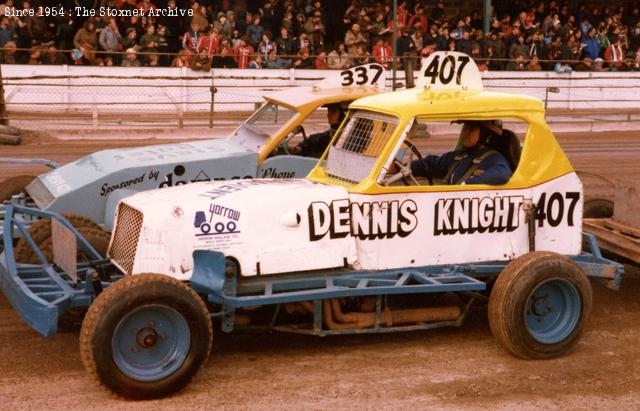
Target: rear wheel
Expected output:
[539,305]
[40,231]
[146,336]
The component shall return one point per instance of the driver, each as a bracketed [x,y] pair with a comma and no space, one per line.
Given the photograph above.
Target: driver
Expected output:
[315,144]
[473,163]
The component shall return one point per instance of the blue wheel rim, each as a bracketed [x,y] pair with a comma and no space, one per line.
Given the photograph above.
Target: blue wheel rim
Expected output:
[552,311]
[151,342]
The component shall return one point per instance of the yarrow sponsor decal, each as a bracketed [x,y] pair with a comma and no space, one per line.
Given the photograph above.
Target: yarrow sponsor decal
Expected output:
[219,230]
[209,227]
[365,221]
[471,215]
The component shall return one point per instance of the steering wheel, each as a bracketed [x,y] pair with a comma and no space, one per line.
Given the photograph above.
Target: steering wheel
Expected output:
[284,144]
[404,170]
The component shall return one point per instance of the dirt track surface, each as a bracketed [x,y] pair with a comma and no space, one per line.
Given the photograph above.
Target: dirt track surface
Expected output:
[455,368]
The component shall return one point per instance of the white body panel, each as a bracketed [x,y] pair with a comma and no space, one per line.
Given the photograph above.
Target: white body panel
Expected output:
[277,226]
[261,223]
[474,226]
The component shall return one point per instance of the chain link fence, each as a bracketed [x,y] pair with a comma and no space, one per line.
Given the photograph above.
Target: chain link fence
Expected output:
[89,97]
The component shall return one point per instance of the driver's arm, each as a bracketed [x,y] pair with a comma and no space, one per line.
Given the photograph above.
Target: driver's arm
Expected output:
[437,166]
[314,144]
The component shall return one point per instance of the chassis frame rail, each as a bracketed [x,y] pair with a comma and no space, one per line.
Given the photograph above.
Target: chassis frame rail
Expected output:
[42,293]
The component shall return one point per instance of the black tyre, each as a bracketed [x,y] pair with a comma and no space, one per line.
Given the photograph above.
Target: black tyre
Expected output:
[539,305]
[146,336]
[40,231]
[14,185]
[598,208]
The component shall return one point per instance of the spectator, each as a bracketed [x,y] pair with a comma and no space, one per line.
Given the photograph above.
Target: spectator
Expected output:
[518,48]
[614,55]
[267,44]
[517,64]
[222,25]
[201,61]
[585,65]
[464,44]
[244,53]
[35,55]
[438,13]
[199,16]
[275,62]
[354,38]
[302,42]
[361,56]
[590,45]
[286,45]
[320,63]
[149,42]
[383,53]
[110,40]
[255,32]
[235,39]
[131,59]
[210,42]
[86,41]
[8,54]
[131,40]
[227,58]
[315,30]
[6,31]
[303,60]
[339,58]
[53,56]
[191,39]
[534,64]
[598,65]
[256,61]
[181,60]
[405,48]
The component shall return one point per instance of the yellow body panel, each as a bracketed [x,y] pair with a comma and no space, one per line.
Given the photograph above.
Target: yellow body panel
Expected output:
[304,101]
[542,158]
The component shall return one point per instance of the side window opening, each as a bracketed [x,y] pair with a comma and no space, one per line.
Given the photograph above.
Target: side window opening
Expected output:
[443,149]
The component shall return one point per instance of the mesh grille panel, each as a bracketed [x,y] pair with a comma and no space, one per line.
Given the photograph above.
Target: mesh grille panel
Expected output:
[367,133]
[125,237]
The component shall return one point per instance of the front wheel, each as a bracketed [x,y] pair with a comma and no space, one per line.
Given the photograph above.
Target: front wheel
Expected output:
[146,336]
[539,305]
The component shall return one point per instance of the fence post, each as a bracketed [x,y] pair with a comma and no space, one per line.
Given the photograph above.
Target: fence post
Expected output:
[3,108]
[213,100]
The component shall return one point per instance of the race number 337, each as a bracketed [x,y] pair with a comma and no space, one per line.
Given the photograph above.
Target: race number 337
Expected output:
[362,75]
[446,69]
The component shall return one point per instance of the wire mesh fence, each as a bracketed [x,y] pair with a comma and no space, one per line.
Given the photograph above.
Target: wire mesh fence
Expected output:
[85,97]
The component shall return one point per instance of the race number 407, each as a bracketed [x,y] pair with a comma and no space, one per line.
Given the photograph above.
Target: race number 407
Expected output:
[552,210]
[446,69]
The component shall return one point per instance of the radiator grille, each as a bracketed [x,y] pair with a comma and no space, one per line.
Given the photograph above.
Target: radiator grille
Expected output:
[125,238]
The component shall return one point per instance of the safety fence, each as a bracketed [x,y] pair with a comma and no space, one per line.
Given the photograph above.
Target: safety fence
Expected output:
[52,97]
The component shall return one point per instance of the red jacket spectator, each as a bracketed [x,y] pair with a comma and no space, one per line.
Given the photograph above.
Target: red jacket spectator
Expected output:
[382,53]
[614,54]
[402,13]
[191,39]
[211,43]
[244,52]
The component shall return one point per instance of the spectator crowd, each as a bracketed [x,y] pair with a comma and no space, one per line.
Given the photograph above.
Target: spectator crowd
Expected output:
[322,34]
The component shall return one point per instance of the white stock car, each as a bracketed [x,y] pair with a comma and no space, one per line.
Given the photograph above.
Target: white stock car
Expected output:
[358,246]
